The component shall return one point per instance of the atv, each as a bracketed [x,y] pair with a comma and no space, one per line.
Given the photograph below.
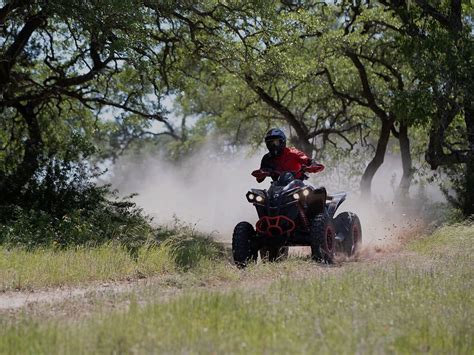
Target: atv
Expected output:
[294,214]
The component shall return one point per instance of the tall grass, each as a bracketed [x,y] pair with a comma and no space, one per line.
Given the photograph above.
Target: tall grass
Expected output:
[47,266]
[419,303]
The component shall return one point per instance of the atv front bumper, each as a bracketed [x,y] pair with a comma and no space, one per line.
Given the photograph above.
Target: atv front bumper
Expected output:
[275,226]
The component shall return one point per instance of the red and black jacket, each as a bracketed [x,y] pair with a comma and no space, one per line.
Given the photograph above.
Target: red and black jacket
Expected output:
[291,159]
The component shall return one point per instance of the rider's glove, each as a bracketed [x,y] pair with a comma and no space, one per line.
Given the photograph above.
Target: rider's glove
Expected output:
[314,168]
[260,175]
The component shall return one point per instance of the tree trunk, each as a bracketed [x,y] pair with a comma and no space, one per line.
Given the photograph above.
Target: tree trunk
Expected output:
[404,142]
[468,205]
[377,160]
[12,186]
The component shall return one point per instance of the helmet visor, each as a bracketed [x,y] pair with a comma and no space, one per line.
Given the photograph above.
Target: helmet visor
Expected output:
[273,143]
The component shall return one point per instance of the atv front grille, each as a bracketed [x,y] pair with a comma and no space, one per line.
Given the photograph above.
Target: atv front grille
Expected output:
[275,226]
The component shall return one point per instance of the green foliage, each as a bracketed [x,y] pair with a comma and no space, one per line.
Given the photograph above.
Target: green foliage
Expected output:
[455,185]
[437,43]
[189,252]
[101,222]
[63,206]
[285,56]
[82,78]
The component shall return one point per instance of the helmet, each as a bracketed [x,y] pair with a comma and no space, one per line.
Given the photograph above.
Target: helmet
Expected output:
[275,141]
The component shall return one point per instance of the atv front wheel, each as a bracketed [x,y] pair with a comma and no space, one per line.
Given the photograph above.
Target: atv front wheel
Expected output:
[243,244]
[348,224]
[323,239]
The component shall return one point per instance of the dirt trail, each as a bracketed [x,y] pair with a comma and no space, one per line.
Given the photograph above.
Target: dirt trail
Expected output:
[12,300]
[73,303]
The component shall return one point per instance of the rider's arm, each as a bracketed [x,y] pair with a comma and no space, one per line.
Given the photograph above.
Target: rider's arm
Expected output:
[312,165]
[264,165]
[302,158]
[267,164]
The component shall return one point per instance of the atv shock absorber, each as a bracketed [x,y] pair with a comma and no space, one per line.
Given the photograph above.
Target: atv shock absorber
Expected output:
[304,219]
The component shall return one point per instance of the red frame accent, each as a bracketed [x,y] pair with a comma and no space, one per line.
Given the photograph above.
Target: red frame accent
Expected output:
[274,223]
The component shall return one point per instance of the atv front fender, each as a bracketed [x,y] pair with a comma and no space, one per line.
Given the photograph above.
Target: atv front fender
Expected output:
[316,202]
[334,201]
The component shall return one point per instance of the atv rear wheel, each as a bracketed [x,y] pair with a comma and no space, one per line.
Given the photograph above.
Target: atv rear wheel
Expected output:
[273,253]
[243,244]
[348,224]
[323,239]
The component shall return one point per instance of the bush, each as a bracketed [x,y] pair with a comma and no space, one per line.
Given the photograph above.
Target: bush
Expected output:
[62,205]
[106,221]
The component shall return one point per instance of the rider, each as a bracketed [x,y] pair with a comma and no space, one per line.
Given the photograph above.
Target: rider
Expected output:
[281,159]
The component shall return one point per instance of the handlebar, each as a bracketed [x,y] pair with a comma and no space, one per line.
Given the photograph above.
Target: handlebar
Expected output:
[265,173]
[261,174]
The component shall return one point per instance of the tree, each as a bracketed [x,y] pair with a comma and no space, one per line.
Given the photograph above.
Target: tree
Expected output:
[327,80]
[438,43]
[261,49]
[367,42]
[63,64]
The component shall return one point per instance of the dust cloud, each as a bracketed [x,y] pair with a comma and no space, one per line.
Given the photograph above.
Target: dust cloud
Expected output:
[208,190]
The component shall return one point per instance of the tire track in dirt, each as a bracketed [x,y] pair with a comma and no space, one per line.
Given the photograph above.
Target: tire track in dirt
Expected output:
[11,300]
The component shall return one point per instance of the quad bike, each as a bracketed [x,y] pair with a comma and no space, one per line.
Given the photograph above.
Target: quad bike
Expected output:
[294,214]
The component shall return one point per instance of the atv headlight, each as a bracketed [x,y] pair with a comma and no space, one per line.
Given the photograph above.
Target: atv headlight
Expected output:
[296,196]
[252,197]
[305,192]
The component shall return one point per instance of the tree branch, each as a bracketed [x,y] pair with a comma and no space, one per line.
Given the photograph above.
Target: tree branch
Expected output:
[7,61]
[371,101]
[341,94]
[9,8]
[434,13]
[300,128]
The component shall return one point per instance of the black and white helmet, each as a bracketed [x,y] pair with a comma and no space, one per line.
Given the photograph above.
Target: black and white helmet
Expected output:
[275,141]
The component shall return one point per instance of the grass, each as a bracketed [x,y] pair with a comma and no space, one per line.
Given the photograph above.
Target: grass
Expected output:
[49,267]
[420,302]
[460,235]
